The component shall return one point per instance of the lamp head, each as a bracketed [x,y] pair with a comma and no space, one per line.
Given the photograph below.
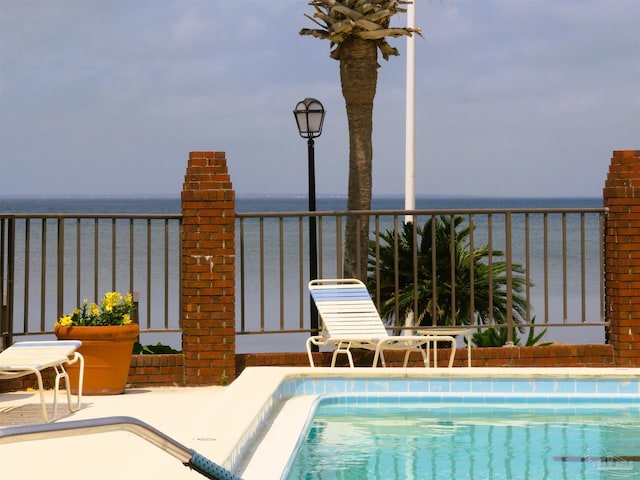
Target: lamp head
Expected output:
[309,114]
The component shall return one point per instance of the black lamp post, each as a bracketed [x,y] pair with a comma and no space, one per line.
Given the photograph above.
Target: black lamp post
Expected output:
[309,115]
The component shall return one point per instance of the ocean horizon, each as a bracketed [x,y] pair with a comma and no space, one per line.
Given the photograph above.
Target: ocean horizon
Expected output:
[251,203]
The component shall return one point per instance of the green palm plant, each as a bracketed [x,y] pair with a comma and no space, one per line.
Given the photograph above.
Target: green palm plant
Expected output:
[445,268]
[357,30]
[499,336]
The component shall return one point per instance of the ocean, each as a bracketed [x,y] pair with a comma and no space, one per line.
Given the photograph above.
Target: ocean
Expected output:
[275,203]
[559,277]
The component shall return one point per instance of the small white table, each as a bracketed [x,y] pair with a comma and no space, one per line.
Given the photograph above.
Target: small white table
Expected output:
[450,331]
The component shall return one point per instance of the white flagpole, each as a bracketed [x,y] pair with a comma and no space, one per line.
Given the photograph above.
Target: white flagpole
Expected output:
[410,134]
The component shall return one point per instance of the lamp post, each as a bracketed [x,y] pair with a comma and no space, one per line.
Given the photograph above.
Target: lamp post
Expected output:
[309,114]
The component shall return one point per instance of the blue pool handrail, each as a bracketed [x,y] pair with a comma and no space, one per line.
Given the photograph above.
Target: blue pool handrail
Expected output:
[189,458]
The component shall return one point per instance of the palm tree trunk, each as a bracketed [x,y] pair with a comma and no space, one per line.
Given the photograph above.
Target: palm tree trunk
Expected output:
[358,76]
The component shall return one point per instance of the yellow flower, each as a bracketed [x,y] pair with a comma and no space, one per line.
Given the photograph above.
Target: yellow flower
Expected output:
[114,309]
[111,299]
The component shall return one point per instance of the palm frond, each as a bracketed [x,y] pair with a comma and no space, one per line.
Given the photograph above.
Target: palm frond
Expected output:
[365,20]
[346,11]
[322,34]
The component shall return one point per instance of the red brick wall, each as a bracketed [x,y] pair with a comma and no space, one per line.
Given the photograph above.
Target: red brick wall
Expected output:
[145,371]
[208,270]
[154,370]
[552,355]
[622,256]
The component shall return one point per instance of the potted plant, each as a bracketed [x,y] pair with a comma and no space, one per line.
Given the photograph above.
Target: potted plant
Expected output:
[107,334]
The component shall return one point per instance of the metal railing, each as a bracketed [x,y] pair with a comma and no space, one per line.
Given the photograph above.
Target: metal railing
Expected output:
[50,263]
[560,252]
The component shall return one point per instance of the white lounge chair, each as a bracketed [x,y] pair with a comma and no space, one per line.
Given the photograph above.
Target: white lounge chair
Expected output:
[24,358]
[350,320]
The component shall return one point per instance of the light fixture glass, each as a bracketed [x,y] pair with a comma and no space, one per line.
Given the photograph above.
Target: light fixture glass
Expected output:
[309,115]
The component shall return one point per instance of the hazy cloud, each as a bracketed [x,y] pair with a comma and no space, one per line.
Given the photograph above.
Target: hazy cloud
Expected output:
[514,97]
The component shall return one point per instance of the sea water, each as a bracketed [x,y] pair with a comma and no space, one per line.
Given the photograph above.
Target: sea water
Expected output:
[261,203]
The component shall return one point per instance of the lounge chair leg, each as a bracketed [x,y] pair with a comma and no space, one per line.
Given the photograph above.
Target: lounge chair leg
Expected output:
[452,341]
[408,354]
[60,373]
[425,359]
[340,348]
[309,353]
[335,356]
[43,403]
[453,352]
[435,354]
[406,358]
[67,384]
[350,357]
[310,359]
[379,355]
[427,354]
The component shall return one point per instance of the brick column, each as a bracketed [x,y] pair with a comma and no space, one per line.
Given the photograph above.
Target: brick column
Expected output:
[622,256]
[208,271]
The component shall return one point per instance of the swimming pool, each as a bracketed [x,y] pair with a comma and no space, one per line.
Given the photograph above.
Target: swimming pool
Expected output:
[283,400]
[418,436]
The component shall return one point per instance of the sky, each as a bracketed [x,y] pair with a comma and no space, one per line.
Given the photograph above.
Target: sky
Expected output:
[524,98]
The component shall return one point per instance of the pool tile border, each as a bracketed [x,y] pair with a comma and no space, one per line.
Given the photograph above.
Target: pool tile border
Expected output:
[523,386]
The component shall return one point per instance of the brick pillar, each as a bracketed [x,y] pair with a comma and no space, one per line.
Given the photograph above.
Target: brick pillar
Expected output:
[208,270]
[622,256]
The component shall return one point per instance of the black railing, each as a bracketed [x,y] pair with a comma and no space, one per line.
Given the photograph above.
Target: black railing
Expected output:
[50,263]
[560,252]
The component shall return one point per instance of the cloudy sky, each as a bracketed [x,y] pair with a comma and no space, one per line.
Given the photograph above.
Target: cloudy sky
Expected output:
[514,97]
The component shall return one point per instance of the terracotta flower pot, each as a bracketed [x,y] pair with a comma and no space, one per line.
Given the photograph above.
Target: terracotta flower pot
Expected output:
[107,356]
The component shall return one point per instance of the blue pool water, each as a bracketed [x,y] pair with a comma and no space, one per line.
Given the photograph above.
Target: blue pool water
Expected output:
[384,438]
[501,428]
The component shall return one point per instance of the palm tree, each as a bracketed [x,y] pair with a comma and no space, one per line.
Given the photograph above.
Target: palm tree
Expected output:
[357,29]
[442,267]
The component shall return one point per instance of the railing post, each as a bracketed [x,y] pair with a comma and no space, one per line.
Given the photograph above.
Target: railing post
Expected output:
[60,270]
[208,271]
[4,330]
[622,256]
[135,296]
[7,280]
[3,295]
[509,286]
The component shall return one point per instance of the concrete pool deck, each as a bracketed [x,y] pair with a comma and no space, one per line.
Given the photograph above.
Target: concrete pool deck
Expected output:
[188,415]
[211,420]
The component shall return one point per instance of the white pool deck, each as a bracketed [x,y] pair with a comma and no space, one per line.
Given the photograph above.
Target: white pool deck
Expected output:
[211,420]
